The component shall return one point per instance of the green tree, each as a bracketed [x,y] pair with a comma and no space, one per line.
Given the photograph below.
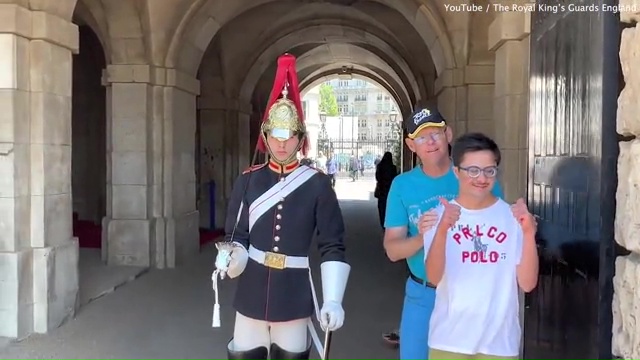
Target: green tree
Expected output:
[328,101]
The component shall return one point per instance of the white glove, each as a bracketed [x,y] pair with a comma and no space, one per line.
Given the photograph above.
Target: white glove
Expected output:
[231,259]
[334,281]
[331,316]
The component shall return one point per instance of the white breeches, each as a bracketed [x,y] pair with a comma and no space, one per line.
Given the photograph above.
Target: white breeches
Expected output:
[250,333]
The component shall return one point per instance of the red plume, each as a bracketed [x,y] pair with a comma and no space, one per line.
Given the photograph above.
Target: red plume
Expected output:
[285,74]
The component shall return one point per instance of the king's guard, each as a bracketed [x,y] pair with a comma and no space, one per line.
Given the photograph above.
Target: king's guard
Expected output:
[275,211]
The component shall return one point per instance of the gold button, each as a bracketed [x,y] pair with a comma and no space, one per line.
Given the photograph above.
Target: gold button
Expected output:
[278,216]
[276,249]
[277,227]
[277,238]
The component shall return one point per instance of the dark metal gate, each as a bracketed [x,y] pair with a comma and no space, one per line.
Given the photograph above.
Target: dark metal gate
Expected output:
[572,177]
[367,153]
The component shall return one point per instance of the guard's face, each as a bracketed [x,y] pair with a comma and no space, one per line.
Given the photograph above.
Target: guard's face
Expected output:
[283,149]
[431,144]
[477,173]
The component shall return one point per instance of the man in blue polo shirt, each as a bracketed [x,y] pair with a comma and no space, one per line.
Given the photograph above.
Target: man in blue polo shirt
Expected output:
[413,196]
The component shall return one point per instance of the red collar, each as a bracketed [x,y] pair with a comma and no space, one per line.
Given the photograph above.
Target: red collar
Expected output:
[283,169]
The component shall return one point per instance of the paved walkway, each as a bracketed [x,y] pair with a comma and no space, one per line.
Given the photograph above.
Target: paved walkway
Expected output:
[167,313]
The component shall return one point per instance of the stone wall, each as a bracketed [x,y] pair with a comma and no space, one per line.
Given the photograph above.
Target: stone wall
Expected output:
[626,282]
[38,254]
[509,39]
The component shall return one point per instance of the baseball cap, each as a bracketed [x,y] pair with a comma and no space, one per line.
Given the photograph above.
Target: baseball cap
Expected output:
[421,119]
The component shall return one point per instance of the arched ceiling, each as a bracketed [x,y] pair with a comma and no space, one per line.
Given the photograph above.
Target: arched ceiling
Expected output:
[332,58]
[397,43]
[337,46]
[326,37]
[205,18]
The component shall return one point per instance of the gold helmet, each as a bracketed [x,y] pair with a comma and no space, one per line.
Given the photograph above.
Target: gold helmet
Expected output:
[284,116]
[282,119]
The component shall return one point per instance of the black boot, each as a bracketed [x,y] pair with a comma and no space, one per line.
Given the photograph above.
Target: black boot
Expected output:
[258,353]
[278,353]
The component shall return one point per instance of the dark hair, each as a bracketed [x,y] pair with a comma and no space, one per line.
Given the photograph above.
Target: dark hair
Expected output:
[387,158]
[473,142]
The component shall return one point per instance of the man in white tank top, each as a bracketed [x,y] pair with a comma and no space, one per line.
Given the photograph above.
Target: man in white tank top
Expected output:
[479,255]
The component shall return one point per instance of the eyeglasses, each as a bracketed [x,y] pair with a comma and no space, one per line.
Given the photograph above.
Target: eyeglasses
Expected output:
[425,138]
[475,171]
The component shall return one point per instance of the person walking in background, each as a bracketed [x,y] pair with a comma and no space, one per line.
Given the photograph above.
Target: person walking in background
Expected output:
[332,169]
[386,171]
[321,162]
[353,168]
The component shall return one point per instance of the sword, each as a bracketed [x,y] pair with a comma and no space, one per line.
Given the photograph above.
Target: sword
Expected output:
[327,344]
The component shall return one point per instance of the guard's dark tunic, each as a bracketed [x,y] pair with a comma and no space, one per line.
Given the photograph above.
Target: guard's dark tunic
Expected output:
[269,294]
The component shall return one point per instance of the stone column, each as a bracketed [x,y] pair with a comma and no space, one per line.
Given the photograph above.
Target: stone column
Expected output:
[462,98]
[182,218]
[451,96]
[225,143]
[38,254]
[150,166]
[127,224]
[626,282]
[509,39]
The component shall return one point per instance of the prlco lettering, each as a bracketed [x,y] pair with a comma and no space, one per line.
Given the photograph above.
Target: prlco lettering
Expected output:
[480,256]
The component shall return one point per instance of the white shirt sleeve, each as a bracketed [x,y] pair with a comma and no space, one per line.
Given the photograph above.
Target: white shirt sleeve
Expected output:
[428,236]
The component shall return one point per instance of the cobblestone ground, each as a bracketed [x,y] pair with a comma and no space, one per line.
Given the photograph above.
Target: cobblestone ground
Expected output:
[167,313]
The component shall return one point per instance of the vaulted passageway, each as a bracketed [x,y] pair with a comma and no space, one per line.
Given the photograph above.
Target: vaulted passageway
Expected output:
[378,40]
[185,87]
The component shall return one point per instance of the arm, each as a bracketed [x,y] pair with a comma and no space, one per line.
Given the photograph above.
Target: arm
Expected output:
[329,223]
[396,243]
[241,234]
[435,241]
[527,268]
[334,269]
[497,190]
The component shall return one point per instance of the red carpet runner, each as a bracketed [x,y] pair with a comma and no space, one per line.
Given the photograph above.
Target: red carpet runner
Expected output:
[90,234]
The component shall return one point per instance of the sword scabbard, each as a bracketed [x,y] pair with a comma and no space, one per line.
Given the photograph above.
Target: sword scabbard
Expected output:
[327,344]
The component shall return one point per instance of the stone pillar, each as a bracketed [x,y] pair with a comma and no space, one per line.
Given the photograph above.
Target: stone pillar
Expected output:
[509,39]
[462,98]
[127,224]
[479,83]
[38,254]
[180,212]
[626,282]
[150,166]
[451,98]
[225,143]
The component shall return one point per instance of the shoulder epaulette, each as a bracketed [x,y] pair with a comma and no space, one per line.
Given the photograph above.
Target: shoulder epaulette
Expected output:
[253,168]
[316,169]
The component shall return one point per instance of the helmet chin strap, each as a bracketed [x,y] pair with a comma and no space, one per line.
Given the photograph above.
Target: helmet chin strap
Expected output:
[291,157]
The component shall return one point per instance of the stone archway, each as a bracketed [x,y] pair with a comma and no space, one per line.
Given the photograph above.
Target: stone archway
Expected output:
[324,36]
[205,18]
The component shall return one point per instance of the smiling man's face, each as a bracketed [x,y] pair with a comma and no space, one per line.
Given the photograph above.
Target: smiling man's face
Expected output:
[431,144]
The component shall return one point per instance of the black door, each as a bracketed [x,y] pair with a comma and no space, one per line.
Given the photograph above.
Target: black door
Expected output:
[572,178]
